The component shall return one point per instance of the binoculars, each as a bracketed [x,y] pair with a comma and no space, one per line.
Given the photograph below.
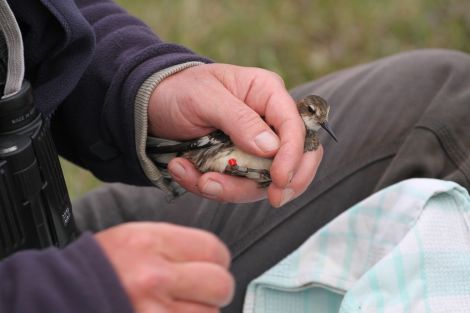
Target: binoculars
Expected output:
[35,209]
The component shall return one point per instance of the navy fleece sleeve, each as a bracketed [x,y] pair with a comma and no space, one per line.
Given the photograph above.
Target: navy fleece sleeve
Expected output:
[86,60]
[98,116]
[77,279]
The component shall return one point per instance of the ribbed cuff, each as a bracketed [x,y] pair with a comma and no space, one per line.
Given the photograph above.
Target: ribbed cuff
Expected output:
[141,121]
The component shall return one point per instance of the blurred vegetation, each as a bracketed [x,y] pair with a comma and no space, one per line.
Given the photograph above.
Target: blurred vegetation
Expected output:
[299,39]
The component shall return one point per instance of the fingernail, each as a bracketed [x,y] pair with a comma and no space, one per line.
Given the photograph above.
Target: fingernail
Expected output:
[287,195]
[267,141]
[212,188]
[177,170]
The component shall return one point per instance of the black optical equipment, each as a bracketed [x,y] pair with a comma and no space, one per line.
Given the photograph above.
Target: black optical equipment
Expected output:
[35,209]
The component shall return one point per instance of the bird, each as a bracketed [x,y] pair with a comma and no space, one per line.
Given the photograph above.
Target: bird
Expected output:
[217,153]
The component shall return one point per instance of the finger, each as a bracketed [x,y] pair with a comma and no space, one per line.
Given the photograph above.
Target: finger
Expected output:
[204,283]
[188,307]
[184,173]
[300,182]
[183,244]
[269,98]
[242,124]
[154,305]
[291,131]
[215,185]
[232,189]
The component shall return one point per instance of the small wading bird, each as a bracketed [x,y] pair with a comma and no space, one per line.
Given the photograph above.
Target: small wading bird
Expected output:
[216,152]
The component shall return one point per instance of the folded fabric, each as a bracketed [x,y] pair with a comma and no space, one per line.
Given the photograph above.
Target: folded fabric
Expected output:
[403,249]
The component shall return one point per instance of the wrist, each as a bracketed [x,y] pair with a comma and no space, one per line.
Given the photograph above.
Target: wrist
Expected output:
[141,119]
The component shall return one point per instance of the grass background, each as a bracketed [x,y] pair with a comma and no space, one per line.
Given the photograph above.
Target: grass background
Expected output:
[299,39]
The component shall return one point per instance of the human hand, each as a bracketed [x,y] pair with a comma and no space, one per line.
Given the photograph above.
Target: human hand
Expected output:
[200,99]
[166,268]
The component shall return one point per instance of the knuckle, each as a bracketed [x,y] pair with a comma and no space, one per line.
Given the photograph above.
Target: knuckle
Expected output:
[155,277]
[271,76]
[216,251]
[246,117]
[278,78]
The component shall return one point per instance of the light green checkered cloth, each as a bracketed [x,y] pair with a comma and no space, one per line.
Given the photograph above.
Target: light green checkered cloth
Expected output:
[404,249]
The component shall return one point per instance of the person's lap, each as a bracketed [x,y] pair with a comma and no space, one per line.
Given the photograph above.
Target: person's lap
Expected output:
[397,118]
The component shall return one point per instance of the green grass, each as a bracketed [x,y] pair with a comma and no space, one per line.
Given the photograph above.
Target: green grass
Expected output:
[299,39]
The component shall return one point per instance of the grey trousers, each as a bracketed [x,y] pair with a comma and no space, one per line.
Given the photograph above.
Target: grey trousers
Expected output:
[400,117]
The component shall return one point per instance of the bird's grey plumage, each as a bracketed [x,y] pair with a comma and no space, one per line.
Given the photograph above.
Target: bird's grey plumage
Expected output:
[204,158]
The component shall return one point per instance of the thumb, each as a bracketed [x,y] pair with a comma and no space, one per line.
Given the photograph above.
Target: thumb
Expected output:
[244,126]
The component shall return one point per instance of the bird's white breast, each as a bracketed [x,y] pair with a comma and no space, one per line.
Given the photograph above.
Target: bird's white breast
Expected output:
[220,162]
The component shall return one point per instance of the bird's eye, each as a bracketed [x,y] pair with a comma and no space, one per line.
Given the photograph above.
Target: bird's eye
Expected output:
[311,110]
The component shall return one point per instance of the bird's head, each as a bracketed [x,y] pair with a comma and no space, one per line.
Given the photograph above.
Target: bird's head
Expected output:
[314,112]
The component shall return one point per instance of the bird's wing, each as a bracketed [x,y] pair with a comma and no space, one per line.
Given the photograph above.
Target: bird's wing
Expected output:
[158,146]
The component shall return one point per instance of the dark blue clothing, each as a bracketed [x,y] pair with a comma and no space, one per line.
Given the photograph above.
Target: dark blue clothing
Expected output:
[78,279]
[86,60]
[90,57]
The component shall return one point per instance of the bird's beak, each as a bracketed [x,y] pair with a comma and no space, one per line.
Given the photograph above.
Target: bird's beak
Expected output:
[328,130]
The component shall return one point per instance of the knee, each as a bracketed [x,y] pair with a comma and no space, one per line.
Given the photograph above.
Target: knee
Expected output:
[431,64]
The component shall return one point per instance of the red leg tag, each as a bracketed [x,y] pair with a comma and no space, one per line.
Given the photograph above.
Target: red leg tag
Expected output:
[232,162]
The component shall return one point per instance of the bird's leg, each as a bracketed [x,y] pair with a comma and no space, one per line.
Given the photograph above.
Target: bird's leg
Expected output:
[311,141]
[264,184]
[262,176]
